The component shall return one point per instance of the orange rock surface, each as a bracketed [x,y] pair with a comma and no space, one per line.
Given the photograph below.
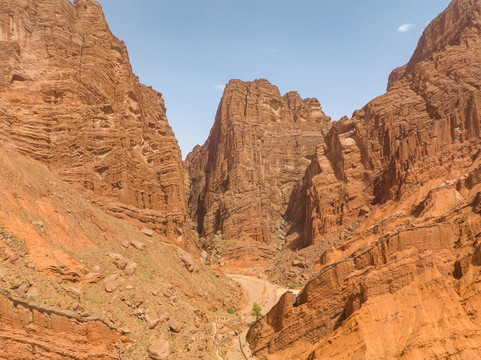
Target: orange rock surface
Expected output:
[68,97]
[385,205]
[60,250]
[426,127]
[390,204]
[30,330]
[242,178]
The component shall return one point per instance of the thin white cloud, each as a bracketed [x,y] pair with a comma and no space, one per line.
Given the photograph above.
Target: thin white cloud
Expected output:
[219,87]
[271,50]
[405,27]
[303,72]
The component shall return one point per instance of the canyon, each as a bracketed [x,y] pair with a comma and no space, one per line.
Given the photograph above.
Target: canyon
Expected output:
[112,247]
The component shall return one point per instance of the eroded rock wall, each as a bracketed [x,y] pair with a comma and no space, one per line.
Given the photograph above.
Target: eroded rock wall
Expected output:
[425,127]
[68,97]
[391,201]
[391,266]
[242,178]
[33,331]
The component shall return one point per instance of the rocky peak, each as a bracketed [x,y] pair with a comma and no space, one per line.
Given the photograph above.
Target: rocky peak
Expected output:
[457,25]
[390,146]
[242,178]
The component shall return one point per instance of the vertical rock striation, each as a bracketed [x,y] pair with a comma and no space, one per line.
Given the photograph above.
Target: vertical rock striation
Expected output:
[68,97]
[242,178]
[401,180]
[425,127]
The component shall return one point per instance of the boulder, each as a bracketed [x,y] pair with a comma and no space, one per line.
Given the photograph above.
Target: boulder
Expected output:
[130,269]
[138,245]
[175,326]
[188,260]
[159,350]
[22,289]
[93,278]
[112,282]
[164,317]
[120,264]
[115,256]
[151,321]
[148,232]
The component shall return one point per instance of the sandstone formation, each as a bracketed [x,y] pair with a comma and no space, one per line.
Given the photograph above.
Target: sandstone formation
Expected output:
[73,113]
[34,331]
[241,180]
[68,97]
[425,127]
[385,206]
[391,202]
[383,301]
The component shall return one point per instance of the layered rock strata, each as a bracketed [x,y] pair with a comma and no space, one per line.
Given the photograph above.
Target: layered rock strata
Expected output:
[414,264]
[242,178]
[425,127]
[68,97]
[393,196]
[32,330]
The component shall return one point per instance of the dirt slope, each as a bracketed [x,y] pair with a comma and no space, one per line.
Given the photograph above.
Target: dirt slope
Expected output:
[59,250]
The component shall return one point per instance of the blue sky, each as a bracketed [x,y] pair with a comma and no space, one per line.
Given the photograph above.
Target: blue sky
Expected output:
[340,52]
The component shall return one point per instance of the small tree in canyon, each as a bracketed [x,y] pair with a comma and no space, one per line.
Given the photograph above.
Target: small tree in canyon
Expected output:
[256,311]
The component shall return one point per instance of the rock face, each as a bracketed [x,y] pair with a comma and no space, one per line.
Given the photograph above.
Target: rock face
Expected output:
[242,178]
[68,97]
[425,127]
[34,331]
[383,301]
[392,196]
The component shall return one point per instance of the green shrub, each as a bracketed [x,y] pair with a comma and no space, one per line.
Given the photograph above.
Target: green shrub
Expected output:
[256,311]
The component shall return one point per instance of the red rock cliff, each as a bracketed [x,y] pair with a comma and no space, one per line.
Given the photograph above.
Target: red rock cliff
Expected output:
[242,178]
[32,330]
[424,125]
[393,197]
[69,98]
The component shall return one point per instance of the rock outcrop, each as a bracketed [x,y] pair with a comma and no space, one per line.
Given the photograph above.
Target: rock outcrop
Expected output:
[68,97]
[242,178]
[426,127]
[392,199]
[411,262]
[30,330]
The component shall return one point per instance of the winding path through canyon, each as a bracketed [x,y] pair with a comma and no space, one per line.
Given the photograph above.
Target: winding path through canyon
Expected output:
[260,291]
[263,293]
